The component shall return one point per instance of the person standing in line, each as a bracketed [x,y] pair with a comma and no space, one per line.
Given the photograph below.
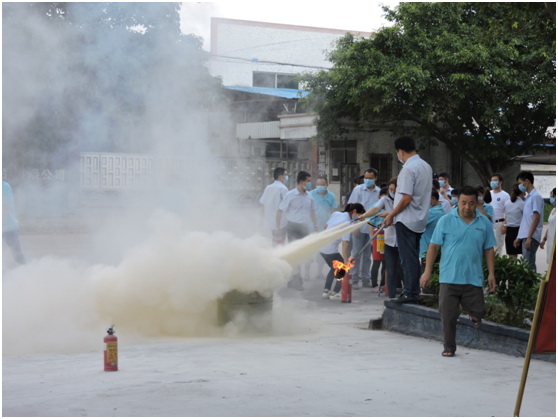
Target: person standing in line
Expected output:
[513,214]
[435,212]
[331,253]
[10,224]
[530,229]
[443,200]
[483,203]
[499,199]
[324,200]
[464,236]
[272,196]
[454,194]
[367,195]
[298,207]
[445,187]
[410,213]
[551,228]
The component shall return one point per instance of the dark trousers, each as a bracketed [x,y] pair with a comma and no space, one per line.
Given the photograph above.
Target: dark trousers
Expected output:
[295,232]
[374,274]
[393,268]
[330,275]
[408,243]
[11,238]
[451,297]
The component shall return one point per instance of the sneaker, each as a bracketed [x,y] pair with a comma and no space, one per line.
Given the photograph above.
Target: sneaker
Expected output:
[356,286]
[336,296]
[326,294]
[405,299]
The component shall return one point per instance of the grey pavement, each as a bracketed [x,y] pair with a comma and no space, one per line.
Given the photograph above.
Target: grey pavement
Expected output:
[324,362]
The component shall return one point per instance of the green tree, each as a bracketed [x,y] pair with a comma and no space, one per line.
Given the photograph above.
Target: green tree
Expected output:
[478,77]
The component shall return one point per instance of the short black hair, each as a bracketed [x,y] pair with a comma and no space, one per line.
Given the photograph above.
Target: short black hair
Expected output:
[384,191]
[407,144]
[526,176]
[553,192]
[467,191]
[435,183]
[354,206]
[454,192]
[324,177]
[372,170]
[486,196]
[445,175]
[499,176]
[279,171]
[435,194]
[302,175]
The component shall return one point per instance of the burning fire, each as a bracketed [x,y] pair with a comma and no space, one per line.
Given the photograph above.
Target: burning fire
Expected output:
[340,269]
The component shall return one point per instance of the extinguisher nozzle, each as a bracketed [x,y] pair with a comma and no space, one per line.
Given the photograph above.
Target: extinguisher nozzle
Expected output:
[110,330]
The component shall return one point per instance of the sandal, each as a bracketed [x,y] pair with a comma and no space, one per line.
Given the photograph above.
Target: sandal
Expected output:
[448,354]
[474,321]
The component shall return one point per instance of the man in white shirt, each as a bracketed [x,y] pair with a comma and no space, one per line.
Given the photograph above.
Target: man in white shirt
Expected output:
[366,194]
[299,210]
[445,187]
[530,229]
[410,213]
[499,199]
[272,196]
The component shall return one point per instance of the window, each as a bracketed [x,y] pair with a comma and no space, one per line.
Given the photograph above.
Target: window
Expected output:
[274,80]
[382,163]
[281,150]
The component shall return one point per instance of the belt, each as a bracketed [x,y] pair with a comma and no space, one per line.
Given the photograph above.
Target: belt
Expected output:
[500,220]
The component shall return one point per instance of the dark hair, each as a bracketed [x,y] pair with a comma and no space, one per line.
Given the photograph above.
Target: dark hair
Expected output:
[435,194]
[444,175]
[279,171]
[454,192]
[515,192]
[302,175]
[467,191]
[499,176]
[407,144]
[393,181]
[384,191]
[553,192]
[372,170]
[526,176]
[435,184]
[324,177]
[360,180]
[485,193]
[354,206]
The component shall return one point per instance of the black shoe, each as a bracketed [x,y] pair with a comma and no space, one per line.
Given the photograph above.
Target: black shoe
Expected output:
[405,299]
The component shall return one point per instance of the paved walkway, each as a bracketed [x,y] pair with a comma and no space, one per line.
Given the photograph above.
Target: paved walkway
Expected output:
[321,360]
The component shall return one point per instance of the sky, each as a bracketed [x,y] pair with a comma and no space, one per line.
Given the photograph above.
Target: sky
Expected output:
[360,15]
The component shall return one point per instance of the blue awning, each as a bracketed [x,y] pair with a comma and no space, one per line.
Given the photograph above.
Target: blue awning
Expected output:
[269,91]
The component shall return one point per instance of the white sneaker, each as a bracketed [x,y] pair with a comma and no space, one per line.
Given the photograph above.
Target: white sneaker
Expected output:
[335,296]
[326,294]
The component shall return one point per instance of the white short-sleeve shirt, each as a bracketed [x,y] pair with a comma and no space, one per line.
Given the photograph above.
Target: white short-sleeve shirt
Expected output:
[272,196]
[415,179]
[297,207]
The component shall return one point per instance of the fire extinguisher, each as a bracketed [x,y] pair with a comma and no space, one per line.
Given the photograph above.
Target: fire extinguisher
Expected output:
[347,288]
[378,245]
[111,350]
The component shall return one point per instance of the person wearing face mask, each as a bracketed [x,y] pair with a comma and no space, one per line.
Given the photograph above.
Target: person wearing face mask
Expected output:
[445,187]
[391,255]
[483,202]
[551,228]
[299,209]
[272,196]
[444,201]
[367,195]
[324,200]
[435,212]
[499,199]
[512,220]
[530,229]
[454,195]
[331,253]
[410,213]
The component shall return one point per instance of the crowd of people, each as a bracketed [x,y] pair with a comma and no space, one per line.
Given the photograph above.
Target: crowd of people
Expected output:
[420,214]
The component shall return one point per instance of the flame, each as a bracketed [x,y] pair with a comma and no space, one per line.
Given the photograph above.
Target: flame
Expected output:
[340,266]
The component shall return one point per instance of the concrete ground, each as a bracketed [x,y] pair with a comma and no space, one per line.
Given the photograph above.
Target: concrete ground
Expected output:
[329,365]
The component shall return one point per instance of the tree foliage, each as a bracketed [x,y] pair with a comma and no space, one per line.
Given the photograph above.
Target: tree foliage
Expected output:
[479,77]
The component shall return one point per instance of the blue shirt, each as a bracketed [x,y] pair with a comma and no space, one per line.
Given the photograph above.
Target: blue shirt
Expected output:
[463,247]
[434,215]
[9,219]
[324,205]
[489,210]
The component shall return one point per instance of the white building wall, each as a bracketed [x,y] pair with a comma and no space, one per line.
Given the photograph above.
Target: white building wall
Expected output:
[238,48]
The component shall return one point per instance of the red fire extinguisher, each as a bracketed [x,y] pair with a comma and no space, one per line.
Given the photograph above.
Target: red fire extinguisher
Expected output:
[111,350]
[378,246]
[347,288]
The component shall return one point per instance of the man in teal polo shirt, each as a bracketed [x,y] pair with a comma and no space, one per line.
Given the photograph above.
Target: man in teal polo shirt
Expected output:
[464,235]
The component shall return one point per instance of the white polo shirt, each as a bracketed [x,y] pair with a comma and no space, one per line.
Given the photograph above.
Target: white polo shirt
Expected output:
[297,207]
[362,195]
[534,202]
[272,196]
[499,204]
[415,179]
